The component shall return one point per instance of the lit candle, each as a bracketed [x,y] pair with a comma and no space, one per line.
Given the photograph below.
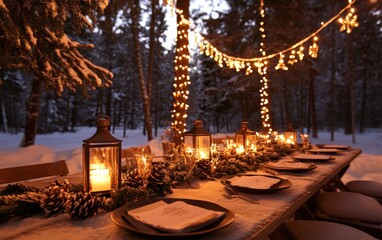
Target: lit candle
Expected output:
[202,154]
[99,178]
[240,149]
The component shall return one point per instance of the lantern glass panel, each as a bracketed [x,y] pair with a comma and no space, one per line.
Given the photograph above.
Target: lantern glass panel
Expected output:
[245,137]
[189,141]
[240,139]
[203,146]
[290,134]
[103,168]
[250,139]
[199,140]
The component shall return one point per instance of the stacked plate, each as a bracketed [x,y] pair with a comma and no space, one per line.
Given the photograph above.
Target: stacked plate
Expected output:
[257,183]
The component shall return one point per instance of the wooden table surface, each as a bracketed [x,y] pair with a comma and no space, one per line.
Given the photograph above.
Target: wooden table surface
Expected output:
[252,221]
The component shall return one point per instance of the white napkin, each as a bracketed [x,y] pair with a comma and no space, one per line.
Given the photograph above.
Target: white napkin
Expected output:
[175,217]
[256,182]
[289,164]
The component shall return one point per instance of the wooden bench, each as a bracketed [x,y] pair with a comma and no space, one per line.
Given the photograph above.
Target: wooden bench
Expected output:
[15,174]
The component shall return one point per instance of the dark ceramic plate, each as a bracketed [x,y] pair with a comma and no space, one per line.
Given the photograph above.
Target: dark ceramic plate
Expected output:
[117,218]
[282,184]
[290,168]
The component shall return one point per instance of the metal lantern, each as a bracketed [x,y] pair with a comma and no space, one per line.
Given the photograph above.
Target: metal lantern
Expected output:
[199,140]
[101,159]
[290,134]
[245,137]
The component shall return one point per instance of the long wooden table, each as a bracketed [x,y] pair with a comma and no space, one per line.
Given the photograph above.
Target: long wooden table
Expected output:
[252,221]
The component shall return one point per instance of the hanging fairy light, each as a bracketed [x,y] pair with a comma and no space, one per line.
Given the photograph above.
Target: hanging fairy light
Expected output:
[292,57]
[239,63]
[349,22]
[300,53]
[281,64]
[313,49]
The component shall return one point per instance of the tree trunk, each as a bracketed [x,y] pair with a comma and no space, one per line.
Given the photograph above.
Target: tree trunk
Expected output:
[366,73]
[352,95]
[348,108]
[33,108]
[313,104]
[181,79]
[142,84]
[74,111]
[152,45]
[154,3]
[132,112]
[3,112]
[286,102]
[333,109]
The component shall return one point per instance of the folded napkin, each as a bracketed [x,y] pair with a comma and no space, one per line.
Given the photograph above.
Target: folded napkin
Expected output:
[289,164]
[255,182]
[175,217]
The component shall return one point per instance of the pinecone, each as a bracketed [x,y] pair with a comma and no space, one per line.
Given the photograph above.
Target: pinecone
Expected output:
[54,198]
[83,204]
[203,169]
[133,179]
[159,181]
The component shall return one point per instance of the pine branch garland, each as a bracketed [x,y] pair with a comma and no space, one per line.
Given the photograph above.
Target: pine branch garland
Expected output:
[19,200]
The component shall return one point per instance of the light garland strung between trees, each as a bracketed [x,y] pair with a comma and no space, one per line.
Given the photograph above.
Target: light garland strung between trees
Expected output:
[239,63]
[296,53]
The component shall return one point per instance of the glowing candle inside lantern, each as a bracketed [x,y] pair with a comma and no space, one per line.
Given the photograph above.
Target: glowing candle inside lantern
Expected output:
[290,140]
[240,149]
[99,178]
[203,154]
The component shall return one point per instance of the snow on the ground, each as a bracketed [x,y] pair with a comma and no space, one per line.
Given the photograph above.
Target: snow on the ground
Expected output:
[68,146]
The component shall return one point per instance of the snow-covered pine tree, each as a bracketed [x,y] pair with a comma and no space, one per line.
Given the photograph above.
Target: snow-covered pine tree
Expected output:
[33,39]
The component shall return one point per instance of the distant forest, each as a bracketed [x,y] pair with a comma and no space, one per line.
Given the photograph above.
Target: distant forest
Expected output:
[339,90]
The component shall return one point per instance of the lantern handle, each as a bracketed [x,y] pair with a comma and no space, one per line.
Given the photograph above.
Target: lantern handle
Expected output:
[102,120]
[103,116]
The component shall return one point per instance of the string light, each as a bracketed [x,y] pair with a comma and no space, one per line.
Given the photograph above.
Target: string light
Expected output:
[281,64]
[313,49]
[182,78]
[350,20]
[292,57]
[239,63]
[300,53]
[262,69]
